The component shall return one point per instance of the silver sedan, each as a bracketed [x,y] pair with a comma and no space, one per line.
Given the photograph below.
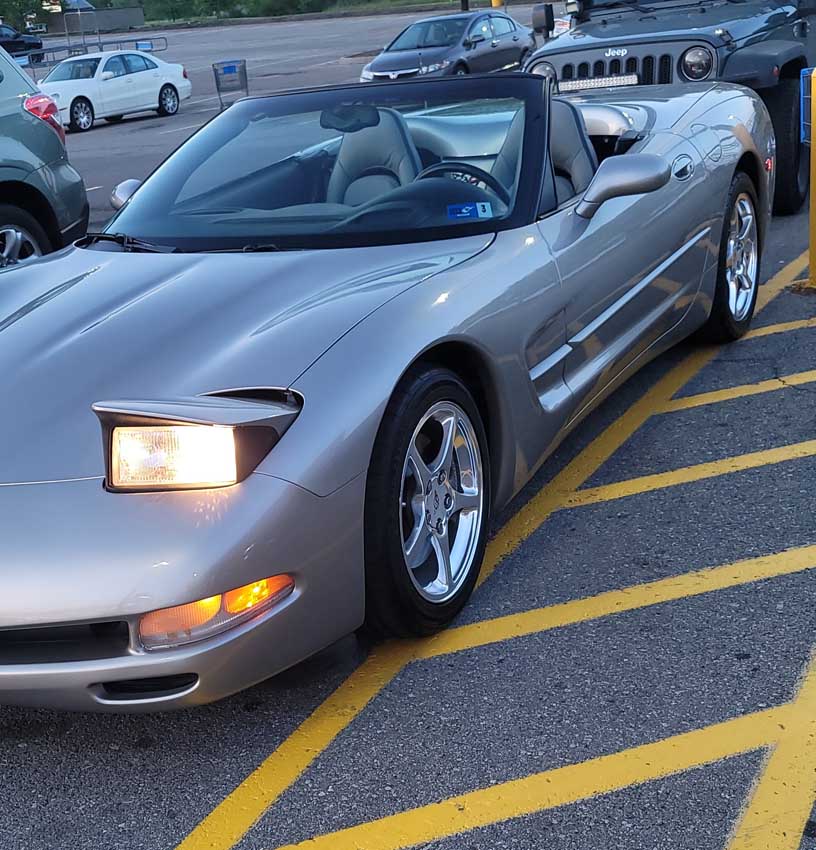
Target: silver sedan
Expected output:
[280,395]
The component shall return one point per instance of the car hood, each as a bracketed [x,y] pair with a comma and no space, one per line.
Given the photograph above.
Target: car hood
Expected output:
[401,60]
[83,326]
[698,21]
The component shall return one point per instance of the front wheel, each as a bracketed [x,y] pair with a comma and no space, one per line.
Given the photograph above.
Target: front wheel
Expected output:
[460,70]
[22,238]
[168,101]
[427,506]
[738,271]
[82,115]
[792,165]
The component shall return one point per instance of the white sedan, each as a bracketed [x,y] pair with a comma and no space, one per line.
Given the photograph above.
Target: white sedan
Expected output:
[112,84]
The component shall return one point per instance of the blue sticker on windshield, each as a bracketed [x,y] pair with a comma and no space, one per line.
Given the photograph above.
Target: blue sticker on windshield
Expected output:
[479,210]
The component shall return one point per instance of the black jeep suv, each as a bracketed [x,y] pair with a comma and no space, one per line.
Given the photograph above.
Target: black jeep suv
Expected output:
[762,44]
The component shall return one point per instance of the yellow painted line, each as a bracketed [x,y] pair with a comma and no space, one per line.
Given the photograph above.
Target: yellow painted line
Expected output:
[781,802]
[619,601]
[236,814]
[690,474]
[226,824]
[781,328]
[560,786]
[797,379]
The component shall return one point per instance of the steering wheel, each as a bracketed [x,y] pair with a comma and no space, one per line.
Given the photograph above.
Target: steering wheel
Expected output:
[449,166]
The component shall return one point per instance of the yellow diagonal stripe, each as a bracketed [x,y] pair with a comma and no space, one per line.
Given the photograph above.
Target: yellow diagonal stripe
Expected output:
[690,474]
[797,379]
[619,601]
[559,786]
[781,328]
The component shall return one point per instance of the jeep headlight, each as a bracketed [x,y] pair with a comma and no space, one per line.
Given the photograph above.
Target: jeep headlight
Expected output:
[696,63]
[545,69]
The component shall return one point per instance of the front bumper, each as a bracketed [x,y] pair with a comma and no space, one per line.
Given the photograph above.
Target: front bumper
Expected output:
[75,554]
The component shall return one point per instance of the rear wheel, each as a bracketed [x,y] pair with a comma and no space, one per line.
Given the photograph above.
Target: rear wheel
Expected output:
[792,166]
[460,70]
[427,506]
[82,115]
[21,236]
[168,100]
[738,272]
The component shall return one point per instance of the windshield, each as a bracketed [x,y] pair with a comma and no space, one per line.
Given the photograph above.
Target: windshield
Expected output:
[436,33]
[354,166]
[77,69]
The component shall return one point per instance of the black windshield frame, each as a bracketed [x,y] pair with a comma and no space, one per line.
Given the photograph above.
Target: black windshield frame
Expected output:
[530,89]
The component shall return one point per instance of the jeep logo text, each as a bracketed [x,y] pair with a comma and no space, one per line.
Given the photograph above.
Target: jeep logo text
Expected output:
[616,51]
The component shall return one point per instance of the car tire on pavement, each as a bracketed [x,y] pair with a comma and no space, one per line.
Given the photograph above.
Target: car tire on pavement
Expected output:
[460,70]
[35,241]
[739,265]
[168,100]
[425,496]
[792,166]
[81,115]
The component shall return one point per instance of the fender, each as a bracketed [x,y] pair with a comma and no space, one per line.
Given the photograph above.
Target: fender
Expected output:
[754,65]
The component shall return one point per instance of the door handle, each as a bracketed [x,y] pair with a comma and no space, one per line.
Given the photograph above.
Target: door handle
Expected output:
[683,167]
[515,38]
[494,43]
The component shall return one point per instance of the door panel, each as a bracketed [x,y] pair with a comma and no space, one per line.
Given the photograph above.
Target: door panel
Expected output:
[146,81]
[116,93]
[507,50]
[481,57]
[631,272]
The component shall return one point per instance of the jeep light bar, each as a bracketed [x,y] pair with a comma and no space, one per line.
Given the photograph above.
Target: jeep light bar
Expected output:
[598,82]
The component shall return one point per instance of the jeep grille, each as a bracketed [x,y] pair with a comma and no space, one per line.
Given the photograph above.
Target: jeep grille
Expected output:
[650,69]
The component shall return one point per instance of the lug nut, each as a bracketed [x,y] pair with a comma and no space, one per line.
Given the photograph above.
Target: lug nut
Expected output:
[442,476]
[448,501]
[439,526]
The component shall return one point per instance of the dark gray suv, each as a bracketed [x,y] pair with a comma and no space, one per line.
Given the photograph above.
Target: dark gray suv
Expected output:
[42,198]
[471,43]
[762,44]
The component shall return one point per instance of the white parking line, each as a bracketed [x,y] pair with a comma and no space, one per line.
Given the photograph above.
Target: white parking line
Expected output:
[92,188]
[179,129]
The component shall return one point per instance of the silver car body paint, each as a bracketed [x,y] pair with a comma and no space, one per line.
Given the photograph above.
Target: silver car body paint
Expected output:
[546,329]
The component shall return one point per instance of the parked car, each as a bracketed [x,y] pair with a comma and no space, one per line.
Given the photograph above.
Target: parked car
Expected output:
[42,198]
[762,44]
[113,84]
[472,43]
[321,344]
[18,43]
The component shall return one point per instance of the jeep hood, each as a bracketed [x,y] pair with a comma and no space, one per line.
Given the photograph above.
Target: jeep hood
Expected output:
[83,326]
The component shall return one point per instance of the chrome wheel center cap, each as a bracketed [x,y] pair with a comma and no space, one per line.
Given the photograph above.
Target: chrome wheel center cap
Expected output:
[438,502]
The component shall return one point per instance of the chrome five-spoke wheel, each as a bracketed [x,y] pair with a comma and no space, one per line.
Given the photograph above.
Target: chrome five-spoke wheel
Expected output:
[441,502]
[742,257]
[17,245]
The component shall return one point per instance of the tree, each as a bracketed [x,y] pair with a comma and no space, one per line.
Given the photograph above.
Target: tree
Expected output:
[14,11]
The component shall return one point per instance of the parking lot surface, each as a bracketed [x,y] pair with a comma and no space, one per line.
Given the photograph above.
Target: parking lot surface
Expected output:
[635,670]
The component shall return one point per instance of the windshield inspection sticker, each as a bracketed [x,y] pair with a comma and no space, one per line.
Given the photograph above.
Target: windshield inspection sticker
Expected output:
[457,211]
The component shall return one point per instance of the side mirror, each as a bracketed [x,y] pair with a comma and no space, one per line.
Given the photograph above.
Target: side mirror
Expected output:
[544,19]
[476,38]
[627,174]
[107,75]
[122,192]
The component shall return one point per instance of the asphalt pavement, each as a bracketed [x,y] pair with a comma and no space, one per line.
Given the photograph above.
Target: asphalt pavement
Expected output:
[635,670]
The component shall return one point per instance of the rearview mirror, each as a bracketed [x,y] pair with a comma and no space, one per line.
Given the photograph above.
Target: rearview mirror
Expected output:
[544,19]
[627,174]
[122,192]
[107,75]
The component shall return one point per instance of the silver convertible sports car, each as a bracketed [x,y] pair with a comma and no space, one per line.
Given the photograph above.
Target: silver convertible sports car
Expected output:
[281,394]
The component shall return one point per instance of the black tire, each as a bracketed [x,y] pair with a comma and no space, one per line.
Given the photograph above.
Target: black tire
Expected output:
[77,113]
[460,70]
[394,606]
[11,216]
[36,58]
[722,325]
[792,166]
[164,108]
[114,119]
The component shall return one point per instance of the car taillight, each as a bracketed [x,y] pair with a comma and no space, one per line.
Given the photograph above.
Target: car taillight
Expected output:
[184,73]
[41,106]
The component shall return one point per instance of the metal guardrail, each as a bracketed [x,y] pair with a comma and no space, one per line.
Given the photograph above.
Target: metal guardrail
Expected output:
[38,62]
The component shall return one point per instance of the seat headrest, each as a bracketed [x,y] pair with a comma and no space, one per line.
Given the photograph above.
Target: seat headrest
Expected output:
[570,148]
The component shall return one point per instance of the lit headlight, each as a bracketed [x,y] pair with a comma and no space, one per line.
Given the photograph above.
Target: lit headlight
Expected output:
[544,69]
[183,624]
[696,63]
[437,66]
[366,76]
[173,457]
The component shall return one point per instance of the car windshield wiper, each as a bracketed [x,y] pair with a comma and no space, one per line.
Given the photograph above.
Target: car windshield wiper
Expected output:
[633,4]
[251,248]
[128,243]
